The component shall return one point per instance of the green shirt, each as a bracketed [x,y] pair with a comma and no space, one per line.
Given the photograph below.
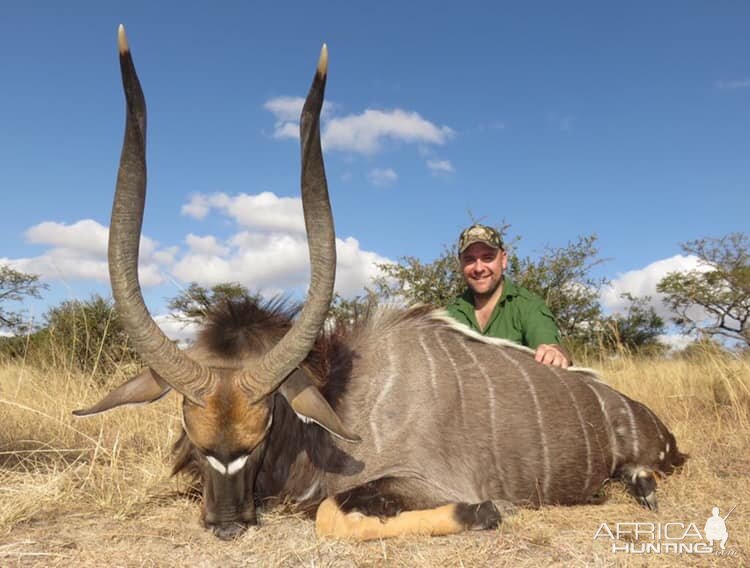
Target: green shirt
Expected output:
[519,316]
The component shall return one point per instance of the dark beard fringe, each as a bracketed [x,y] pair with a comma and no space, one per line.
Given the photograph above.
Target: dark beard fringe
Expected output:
[185,460]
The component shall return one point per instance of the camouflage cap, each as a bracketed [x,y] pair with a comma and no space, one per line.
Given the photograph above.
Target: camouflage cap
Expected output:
[478,233]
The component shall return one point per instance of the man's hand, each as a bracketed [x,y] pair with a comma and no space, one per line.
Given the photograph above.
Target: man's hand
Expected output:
[554,355]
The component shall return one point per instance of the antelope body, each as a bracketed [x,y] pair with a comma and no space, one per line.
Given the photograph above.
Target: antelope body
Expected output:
[400,423]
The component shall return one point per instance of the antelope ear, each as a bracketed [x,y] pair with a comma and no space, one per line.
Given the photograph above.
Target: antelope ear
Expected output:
[307,402]
[145,387]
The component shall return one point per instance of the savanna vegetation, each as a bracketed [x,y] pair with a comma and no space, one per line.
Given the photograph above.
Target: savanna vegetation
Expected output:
[98,491]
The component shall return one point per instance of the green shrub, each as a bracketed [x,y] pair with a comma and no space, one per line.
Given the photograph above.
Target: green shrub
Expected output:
[79,335]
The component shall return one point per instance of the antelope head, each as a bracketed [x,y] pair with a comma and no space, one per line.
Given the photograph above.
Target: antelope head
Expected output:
[227,409]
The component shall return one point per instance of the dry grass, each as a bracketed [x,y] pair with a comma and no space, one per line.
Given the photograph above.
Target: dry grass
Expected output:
[97,491]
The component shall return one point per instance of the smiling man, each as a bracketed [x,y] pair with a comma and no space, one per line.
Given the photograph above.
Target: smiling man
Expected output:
[496,307]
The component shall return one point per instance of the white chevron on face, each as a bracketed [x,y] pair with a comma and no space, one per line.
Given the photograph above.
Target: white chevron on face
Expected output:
[231,468]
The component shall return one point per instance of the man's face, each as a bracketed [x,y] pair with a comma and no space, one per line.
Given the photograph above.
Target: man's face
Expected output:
[482,267]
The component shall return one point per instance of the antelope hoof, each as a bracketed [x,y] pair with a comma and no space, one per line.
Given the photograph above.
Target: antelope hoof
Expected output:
[505,508]
[479,516]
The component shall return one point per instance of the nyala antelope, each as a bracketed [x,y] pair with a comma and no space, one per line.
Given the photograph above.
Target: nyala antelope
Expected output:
[399,423]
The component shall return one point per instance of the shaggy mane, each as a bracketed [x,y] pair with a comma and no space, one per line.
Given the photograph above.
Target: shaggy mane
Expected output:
[236,328]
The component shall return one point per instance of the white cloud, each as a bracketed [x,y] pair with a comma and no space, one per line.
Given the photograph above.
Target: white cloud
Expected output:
[287,111]
[676,341]
[85,236]
[166,256]
[286,130]
[198,206]
[175,330]
[355,267]
[274,262]
[62,264]
[362,133]
[257,259]
[382,177]
[285,108]
[205,245]
[735,84]
[642,282]
[440,166]
[264,211]
[79,252]
[268,252]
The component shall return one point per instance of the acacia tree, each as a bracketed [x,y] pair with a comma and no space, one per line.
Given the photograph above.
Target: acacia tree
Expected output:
[191,305]
[14,287]
[636,329]
[412,281]
[714,300]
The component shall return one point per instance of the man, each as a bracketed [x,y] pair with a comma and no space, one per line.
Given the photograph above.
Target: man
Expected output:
[496,307]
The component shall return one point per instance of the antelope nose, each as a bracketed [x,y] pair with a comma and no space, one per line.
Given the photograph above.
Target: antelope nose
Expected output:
[229,531]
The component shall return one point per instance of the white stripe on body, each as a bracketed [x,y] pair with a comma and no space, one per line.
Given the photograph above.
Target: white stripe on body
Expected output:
[656,424]
[442,316]
[633,426]
[459,379]
[583,427]
[430,365]
[539,420]
[493,406]
[384,389]
[610,431]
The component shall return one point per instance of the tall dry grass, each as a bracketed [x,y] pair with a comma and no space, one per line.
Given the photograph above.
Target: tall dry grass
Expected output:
[97,490]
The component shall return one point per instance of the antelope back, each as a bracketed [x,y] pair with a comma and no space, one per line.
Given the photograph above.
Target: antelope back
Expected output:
[478,417]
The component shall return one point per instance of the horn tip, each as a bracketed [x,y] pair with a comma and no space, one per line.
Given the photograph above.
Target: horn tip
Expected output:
[122,40]
[323,61]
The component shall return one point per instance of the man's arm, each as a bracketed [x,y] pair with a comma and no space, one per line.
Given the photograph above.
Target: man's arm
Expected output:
[543,335]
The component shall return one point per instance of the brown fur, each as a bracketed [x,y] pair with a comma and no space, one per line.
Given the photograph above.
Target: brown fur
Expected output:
[228,421]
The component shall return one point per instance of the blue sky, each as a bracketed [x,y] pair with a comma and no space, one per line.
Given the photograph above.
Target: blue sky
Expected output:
[628,120]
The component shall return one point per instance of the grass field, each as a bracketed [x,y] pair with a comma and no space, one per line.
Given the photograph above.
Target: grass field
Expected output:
[97,491]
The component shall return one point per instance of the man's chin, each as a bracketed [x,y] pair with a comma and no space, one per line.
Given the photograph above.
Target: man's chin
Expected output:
[483,289]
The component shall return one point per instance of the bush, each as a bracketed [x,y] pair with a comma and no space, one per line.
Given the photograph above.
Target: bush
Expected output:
[80,335]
